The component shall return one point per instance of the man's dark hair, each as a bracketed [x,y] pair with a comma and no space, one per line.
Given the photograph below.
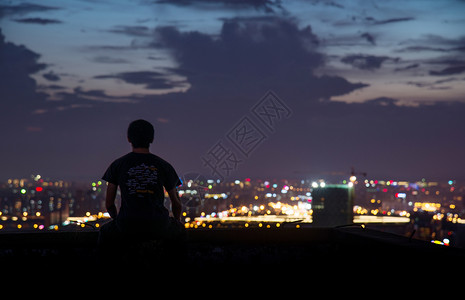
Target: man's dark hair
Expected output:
[140,133]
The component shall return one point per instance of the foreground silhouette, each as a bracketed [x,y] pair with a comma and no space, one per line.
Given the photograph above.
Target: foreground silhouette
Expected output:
[143,226]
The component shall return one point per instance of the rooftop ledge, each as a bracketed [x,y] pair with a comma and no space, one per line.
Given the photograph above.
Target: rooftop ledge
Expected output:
[290,247]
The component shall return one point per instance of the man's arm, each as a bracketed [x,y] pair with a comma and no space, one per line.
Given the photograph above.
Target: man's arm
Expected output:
[110,200]
[176,205]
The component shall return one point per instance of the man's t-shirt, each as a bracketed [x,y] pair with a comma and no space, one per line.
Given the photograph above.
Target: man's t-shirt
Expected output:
[141,178]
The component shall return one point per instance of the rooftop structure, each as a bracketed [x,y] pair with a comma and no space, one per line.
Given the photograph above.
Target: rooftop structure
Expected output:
[289,249]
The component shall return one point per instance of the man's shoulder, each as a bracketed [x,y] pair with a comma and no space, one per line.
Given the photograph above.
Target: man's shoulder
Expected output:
[159,159]
[113,171]
[129,157]
[122,158]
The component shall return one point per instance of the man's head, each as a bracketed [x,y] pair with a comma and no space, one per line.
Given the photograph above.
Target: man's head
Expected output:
[140,133]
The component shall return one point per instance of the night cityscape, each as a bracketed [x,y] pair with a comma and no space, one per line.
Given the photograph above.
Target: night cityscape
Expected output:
[426,210]
[218,133]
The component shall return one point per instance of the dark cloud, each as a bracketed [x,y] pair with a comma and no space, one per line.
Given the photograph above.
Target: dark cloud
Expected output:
[408,67]
[431,49]
[383,101]
[244,42]
[23,8]
[268,6]
[150,79]
[422,48]
[329,3]
[434,43]
[362,20]
[366,62]
[253,54]
[370,38]
[449,71]
[393,20]
[105,59]
[138,31]
[448,60]
[51,76]
[17,63]
[326,87]
[434,85]
[39,21]
[107,48]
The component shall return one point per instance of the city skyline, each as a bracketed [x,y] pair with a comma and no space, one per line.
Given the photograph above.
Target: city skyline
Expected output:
[376,86]
[435,209]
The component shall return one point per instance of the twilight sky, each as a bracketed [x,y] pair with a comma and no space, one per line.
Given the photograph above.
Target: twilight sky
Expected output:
[374,85]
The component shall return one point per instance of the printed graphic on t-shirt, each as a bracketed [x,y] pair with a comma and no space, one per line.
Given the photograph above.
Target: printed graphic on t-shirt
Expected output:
[142,179]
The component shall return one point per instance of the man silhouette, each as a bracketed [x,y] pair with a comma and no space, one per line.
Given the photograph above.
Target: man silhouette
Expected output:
[142,178]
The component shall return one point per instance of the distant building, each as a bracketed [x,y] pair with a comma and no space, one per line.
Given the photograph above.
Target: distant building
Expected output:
[332,205]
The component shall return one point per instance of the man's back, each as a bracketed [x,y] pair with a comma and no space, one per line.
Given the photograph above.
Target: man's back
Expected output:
[141,178]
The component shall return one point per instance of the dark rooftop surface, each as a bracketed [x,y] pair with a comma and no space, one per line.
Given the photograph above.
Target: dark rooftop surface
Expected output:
[281,248]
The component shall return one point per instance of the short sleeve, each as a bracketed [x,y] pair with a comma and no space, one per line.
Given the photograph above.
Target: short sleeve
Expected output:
[172,179]
[111,175]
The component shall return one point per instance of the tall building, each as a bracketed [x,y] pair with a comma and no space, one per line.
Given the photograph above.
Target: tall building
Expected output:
[332,205]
